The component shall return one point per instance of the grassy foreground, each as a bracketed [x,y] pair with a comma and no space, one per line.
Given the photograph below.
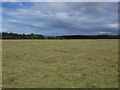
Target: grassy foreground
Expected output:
[60,63]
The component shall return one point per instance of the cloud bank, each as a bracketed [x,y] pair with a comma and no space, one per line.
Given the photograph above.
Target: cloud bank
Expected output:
[60,18]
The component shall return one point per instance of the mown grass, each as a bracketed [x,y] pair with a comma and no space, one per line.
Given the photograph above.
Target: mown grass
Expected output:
[0,64]
[60,63]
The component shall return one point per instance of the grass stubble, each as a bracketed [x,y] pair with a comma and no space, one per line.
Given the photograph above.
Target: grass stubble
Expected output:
[0,64]
[60,63]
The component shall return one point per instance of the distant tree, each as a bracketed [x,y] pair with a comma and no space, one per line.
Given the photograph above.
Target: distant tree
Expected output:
[6,35]
[0,35]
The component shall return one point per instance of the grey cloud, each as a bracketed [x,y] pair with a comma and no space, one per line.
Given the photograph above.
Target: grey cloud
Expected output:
[64,18]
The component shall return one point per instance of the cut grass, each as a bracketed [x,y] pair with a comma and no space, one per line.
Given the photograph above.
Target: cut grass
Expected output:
[0,64]
[60,63]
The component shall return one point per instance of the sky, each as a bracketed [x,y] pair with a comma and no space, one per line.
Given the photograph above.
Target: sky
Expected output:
[60,18]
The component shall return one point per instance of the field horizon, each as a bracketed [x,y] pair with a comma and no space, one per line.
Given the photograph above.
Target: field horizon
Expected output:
[59,44]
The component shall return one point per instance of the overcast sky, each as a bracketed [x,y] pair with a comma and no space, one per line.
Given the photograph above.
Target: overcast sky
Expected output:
[60,18]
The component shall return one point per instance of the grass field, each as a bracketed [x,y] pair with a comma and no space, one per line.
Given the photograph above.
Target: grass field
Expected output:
[60,63]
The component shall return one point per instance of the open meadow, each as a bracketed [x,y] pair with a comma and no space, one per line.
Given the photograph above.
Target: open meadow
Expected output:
[60,63]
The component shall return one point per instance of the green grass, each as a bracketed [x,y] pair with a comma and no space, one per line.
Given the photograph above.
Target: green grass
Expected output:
[60,63]
[0,64]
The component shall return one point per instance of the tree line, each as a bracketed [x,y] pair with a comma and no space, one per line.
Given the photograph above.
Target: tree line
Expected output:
[6,35]
[91,37]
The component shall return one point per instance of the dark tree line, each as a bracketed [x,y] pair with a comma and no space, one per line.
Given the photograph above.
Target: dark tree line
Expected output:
[91,37]
[5,35]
